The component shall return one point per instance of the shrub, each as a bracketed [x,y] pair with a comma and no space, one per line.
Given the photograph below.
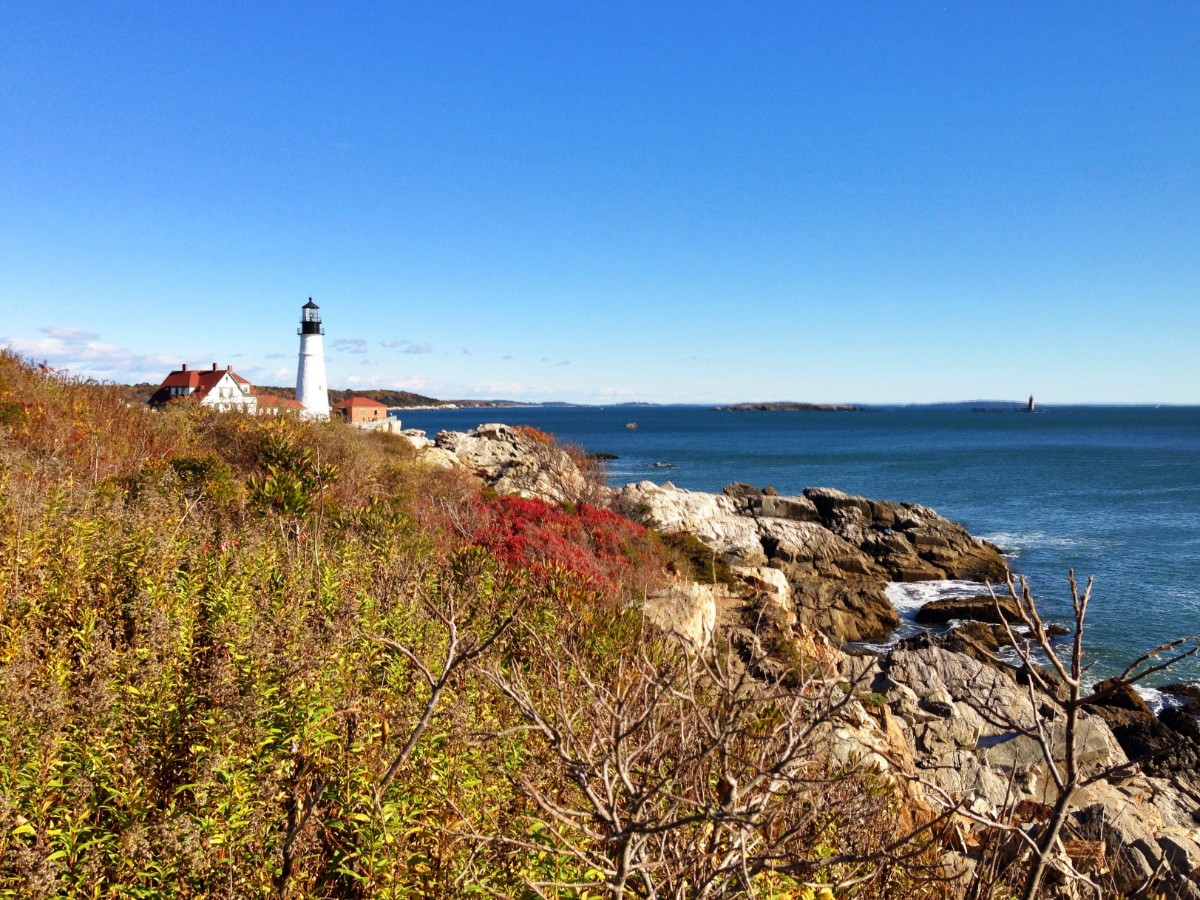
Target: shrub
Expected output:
[596,548]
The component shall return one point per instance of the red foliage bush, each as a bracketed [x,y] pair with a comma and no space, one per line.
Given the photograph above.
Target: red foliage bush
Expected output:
[535,435]
[601,550]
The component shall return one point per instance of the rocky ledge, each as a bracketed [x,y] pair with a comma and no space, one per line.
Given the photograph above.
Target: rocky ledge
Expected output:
[838,552]
[942,716]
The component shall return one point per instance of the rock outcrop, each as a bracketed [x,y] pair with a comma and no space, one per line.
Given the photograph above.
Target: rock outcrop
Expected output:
[968,726]
[511,460]
[975,609]
[687,611]
[837,551]
[910,541]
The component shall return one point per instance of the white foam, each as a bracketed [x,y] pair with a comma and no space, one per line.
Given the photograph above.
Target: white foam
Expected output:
[909,596]
[1013,542]
[1158,700]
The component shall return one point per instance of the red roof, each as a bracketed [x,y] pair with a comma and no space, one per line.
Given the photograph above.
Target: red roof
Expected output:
[273,401]
[360,402]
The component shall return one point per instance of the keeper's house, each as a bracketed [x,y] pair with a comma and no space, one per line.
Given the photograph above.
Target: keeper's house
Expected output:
[222,389]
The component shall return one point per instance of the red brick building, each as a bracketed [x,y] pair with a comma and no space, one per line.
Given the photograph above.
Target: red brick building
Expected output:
[357,410]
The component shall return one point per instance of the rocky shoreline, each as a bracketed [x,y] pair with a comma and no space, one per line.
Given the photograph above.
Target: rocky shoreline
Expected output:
[949,719]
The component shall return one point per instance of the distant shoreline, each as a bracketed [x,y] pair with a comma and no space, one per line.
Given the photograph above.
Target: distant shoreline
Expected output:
[788,406]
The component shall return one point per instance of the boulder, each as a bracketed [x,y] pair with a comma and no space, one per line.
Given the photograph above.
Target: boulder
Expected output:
[980,637]
[516,461]
[831,503]
[686,610]
[1095,748]
[1118,695]
[845,610]
[963,719]
[801,509]
[937,673]
[925,545]
[741,491]
[416,438]
[977,640]
[771,589]
[813,548]
[982,608]
[713,518]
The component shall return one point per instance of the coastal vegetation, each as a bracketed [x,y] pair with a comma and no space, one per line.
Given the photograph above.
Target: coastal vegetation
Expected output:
[250,657]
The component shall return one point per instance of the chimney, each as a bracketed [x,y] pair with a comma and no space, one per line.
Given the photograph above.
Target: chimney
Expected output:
[229,368]
[183,368]
[214,367]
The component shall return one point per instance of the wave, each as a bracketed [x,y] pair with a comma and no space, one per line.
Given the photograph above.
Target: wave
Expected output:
[909,596]
[1013,542]
[1157,700]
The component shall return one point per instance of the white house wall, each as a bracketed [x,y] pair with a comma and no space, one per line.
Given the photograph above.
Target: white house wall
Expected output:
[228,394]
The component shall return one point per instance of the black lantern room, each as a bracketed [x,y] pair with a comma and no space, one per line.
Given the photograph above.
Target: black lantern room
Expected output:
[310,319]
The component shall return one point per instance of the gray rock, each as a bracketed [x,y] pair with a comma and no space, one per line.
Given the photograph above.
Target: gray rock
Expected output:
[979,609]
[932,547]
[814,547]
[1181,852]
[514,463]
[845,610]
[830,502]
[713,518]
[801,509]
[687,611]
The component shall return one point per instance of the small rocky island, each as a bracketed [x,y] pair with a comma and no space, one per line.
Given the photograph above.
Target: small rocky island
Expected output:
[788,406]
[948,717]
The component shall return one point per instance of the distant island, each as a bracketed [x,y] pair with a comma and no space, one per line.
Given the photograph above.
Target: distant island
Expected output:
[787,405]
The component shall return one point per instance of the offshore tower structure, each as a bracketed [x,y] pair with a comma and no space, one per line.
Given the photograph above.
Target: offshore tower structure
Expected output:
[311,391]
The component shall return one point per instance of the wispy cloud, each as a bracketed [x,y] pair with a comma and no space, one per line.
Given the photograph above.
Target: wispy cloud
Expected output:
[563,362]
[350,345]
[508,356]
[407,383]
[276,356]
[70,335]
[81,354]
[407,346]
[507,388]
[464,351]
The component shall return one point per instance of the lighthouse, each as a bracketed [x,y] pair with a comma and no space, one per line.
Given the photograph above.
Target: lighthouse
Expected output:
[311,390]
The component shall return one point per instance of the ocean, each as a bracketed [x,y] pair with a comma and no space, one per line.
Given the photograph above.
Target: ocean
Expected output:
[1109,491]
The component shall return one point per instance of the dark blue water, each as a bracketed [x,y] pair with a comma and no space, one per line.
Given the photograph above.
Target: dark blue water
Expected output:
[1112,492]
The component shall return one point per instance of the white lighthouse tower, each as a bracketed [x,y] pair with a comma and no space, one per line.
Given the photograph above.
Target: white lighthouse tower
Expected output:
[311,390]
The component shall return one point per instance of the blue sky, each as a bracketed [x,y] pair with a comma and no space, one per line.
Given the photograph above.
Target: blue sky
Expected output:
[875,201]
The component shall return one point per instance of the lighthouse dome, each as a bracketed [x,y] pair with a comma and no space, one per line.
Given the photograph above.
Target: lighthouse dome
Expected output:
[310,318]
